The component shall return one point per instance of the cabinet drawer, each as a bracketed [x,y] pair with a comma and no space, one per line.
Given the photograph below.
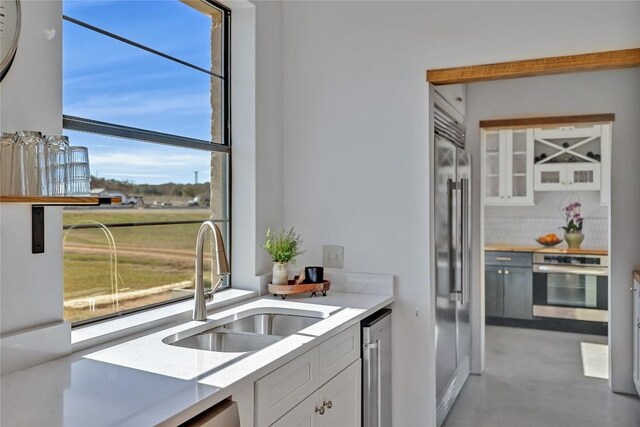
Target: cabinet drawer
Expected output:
[339,352]
[521,259]
[284,388]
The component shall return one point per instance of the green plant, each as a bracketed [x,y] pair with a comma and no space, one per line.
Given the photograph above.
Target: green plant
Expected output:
[283,247]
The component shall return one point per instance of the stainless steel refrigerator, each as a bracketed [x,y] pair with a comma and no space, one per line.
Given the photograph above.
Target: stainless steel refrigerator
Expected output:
[452,227]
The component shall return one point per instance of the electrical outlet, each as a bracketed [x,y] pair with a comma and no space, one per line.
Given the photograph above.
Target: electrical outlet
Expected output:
[333,256]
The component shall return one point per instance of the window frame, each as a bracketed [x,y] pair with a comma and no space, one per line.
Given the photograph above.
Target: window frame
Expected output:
[88,125]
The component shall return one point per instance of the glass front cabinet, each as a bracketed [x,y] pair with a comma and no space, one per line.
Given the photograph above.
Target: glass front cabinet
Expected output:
[517,162]
[508,167]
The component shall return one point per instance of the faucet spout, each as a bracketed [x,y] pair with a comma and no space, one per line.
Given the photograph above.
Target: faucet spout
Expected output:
[221,267]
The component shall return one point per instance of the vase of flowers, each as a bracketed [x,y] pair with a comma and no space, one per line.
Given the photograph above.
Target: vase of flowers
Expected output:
[283,248]
[573,230]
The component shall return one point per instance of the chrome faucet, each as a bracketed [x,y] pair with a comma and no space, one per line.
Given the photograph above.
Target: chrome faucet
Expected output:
[221,266]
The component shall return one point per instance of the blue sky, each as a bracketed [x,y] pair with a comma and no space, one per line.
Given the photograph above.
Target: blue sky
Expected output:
[107,80]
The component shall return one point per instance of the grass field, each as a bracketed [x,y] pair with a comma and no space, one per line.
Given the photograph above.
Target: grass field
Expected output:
[158,257]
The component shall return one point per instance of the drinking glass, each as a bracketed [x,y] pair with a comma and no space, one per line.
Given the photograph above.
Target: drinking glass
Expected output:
[7,143]
[57,149]
[78,173]
[34,163]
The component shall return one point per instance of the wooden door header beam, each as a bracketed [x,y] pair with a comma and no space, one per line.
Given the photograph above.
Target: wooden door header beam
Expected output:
[536,67]
[547,121]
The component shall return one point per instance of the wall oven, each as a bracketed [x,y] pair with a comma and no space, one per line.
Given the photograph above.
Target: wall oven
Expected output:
[571,287]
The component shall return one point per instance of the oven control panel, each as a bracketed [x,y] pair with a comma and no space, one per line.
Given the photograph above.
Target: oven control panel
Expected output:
[578,260]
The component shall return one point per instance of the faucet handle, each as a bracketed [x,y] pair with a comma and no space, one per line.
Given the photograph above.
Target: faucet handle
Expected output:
[208,296]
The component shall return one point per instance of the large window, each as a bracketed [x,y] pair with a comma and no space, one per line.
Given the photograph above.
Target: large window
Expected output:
[146,89]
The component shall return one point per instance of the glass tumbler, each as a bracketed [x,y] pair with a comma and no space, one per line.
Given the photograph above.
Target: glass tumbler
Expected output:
[57,149]
[78,173]
[34,163]
[7,143]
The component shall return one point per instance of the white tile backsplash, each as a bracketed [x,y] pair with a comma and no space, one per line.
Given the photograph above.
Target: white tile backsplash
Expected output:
[523,230]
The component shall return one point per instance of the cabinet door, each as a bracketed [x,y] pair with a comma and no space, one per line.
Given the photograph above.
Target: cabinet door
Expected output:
[493,288]
[341,398]
[583,176]
[493,172]
[519,167]
[303,414]
[550,177]
[518,298]
[280,390]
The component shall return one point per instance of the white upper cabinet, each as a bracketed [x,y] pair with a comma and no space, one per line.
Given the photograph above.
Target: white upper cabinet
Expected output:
[455,95]
[573,158]
[508,167]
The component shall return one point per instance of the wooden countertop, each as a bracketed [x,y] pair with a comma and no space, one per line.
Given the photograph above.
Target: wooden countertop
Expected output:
[560,249]
[636,276]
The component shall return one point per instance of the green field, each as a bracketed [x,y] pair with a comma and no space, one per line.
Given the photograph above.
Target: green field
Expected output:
[157,258]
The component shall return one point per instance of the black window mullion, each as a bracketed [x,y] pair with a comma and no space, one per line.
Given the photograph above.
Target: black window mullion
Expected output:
[110,129]
[139,46]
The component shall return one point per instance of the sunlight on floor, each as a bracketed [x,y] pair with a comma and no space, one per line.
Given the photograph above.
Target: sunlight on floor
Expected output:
[595,360]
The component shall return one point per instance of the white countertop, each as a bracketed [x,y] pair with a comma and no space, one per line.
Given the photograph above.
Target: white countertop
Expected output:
[146,382]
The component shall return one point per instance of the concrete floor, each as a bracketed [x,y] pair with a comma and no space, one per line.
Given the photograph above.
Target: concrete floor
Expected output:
[534,379]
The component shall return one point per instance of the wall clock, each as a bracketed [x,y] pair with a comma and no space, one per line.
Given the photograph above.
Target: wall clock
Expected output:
[9,33]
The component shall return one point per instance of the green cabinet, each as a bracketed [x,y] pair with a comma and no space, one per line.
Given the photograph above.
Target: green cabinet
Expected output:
[493,291]
[509,287]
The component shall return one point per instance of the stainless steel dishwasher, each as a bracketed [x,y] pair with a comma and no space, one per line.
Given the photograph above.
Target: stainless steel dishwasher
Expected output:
[376,369]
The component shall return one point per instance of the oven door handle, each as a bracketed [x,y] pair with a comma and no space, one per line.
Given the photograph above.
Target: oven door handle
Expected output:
[584,271]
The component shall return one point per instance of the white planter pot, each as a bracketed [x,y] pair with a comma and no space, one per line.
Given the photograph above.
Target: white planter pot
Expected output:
[280,274]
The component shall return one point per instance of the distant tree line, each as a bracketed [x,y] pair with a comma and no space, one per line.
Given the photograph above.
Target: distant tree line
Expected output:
[169,189]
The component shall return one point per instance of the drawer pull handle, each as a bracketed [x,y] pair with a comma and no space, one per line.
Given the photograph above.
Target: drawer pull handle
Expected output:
[320,409]
[328,404]
[503,258]
[499,271]
[506,272]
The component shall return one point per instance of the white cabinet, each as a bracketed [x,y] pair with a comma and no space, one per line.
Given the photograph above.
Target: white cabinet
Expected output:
[508,167]
[572,158]
[455,95]
[337,403]
[636,334]
[287,390]
[567,177]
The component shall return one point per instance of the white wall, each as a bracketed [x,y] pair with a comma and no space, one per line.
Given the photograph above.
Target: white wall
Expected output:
[355,133]
[615,92]
[256,136]
[31,285]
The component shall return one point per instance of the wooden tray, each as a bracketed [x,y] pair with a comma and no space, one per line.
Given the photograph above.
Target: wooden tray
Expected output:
[292,288]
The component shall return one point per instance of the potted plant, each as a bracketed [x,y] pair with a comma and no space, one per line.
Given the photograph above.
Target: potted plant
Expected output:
[283,248]
[573,230]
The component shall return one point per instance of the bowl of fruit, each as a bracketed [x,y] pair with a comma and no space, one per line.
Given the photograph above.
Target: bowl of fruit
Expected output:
[549,240]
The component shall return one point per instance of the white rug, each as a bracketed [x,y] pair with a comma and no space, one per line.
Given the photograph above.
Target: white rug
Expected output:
[595,360]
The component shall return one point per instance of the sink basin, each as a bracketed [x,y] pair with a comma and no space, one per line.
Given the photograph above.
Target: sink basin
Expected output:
[245,331]
[223,341]
[280,325]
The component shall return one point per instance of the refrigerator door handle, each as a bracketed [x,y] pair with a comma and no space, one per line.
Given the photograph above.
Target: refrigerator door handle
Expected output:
[379,376]
[454,294]
[464,243]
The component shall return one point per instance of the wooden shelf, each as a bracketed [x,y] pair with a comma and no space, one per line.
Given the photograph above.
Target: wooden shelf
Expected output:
[61,200]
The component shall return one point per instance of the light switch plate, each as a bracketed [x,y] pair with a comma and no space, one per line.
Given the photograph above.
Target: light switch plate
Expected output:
[333,256]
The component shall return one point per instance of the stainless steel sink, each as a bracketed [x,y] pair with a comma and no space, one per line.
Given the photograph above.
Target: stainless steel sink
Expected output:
[223,341]
[244,331]
[280,325]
